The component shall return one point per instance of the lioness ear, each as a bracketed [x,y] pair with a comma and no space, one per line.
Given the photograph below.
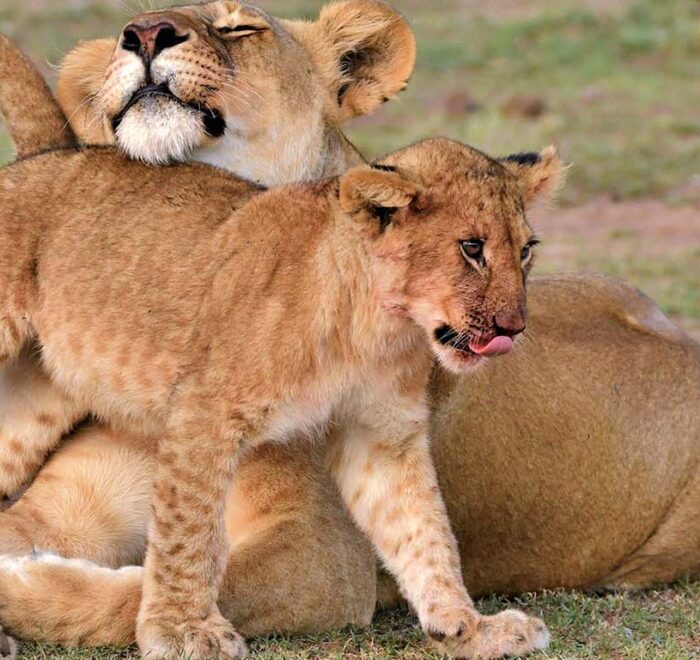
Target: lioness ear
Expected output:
[365,50]
[79,79]
[540,174]
[375,194]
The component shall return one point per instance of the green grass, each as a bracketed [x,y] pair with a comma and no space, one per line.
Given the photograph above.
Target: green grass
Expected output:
[674,283]
[658,625]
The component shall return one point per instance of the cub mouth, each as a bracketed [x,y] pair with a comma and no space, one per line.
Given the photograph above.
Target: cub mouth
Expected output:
[467,346]
[446,335]
[213,121]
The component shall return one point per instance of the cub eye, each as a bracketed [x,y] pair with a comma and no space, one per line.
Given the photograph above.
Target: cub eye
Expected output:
[526,253]
[473,250]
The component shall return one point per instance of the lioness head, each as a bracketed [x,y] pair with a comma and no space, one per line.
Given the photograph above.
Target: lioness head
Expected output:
[225,83]
[448,232]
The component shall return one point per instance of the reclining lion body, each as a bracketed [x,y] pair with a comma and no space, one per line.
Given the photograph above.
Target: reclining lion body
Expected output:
[574,461]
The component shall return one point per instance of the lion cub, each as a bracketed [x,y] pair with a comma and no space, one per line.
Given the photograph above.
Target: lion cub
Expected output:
[193,307]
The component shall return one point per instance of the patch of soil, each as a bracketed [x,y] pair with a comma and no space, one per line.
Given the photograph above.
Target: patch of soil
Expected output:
[664,230]
[527,106]
[458,103]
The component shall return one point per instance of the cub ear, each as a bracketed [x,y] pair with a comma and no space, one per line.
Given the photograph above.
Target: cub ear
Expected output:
[375,194]
[80,78]
[365,50]
[540,174]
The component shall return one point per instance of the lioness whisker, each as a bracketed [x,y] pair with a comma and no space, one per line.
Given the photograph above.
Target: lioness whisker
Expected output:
[237,83]
[125,8]
[86,102]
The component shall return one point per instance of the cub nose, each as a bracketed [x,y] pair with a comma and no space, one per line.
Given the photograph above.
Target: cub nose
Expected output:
[509,322]
[150,39]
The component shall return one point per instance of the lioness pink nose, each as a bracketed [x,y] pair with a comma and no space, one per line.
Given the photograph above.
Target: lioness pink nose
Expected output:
[149,39]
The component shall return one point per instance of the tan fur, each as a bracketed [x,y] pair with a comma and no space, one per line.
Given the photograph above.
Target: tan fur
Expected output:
[297,66]
[296,562]
[81,75]
[225,372]
[325,569]
[37,123]
[33,414]
[584,331]
[596,422]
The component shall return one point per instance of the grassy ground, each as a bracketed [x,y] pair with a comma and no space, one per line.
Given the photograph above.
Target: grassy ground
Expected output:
[654,625]
[614,84]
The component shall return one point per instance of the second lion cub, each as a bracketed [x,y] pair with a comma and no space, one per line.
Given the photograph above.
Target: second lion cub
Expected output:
[194,308]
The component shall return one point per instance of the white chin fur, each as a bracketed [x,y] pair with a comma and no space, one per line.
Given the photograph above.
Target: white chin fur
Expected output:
[159,131]
[456,362]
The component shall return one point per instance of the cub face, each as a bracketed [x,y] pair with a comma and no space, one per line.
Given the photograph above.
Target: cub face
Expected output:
[451,243]
[200,81]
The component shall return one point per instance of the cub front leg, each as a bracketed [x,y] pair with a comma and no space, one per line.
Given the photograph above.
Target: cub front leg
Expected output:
[386,476]
[34,416]
[187,550]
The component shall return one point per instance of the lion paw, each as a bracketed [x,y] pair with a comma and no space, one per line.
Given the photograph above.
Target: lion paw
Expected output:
[509,633]
[8,647]
[213,638]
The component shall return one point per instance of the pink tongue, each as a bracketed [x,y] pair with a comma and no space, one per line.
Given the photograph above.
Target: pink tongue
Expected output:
[498,346]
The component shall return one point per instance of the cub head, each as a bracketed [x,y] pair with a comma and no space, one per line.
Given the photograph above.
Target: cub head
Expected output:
[448,235]
[225,83]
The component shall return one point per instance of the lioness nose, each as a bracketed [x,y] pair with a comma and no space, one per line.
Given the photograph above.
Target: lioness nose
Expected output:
[510,322]
[150,39]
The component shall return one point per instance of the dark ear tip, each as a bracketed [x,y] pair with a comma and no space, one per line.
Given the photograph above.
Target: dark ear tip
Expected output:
[525,158]
[342,92]
[383,168]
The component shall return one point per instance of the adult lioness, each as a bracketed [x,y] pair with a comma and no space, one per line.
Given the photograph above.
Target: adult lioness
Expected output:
[426,254]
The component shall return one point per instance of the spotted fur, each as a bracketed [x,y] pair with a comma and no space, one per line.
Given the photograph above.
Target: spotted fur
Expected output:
[224,371]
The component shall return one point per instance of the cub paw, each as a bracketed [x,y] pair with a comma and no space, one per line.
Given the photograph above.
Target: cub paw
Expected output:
[211,639]
[507,634]
[8,647]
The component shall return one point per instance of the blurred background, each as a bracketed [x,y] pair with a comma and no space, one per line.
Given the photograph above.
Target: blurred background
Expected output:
[615,84]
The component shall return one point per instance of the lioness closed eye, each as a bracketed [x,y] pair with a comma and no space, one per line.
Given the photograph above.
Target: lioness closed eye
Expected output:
[360,276]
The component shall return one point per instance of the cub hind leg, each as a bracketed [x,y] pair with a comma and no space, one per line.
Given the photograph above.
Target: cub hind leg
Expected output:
[34,415]
[15,331]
